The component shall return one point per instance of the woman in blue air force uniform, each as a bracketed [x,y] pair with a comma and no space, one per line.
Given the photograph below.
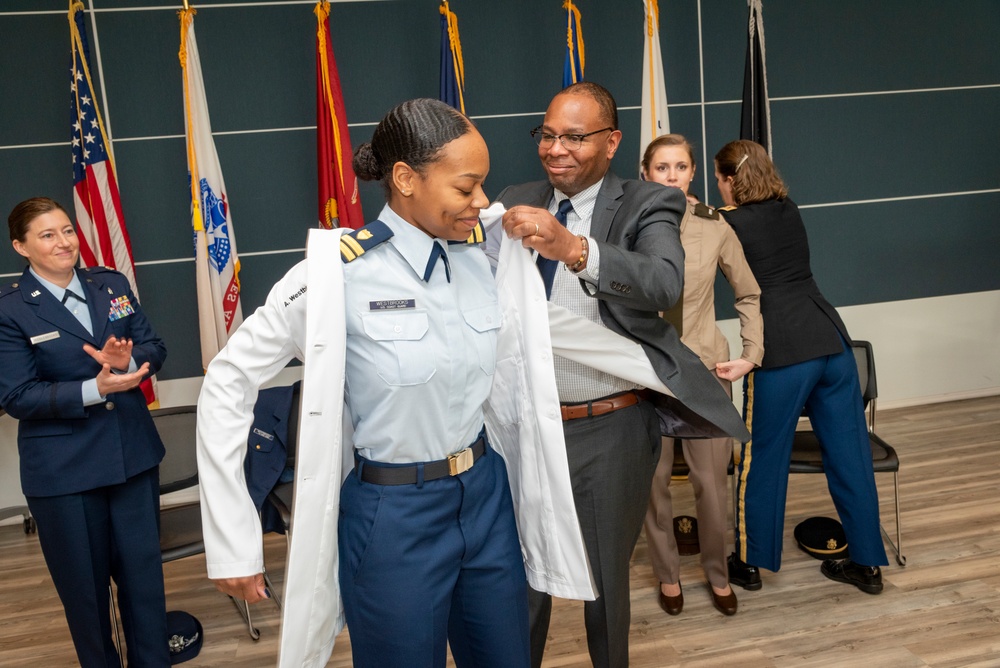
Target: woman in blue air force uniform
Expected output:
[74,346]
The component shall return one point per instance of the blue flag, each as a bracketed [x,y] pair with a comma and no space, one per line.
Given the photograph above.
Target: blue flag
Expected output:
[573,67]
[452,69]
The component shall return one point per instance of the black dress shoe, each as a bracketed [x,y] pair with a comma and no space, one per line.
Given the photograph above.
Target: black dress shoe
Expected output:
[726,604]
[672,605]
[866,578]
[743,574]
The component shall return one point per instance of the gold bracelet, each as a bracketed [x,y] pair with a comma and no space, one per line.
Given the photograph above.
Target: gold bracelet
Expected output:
[584,252]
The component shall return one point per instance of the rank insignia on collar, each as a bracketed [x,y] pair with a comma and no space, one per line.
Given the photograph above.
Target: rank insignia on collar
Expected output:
[705,211]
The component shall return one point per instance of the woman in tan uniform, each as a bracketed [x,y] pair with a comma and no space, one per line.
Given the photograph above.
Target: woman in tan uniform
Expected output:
[709,244]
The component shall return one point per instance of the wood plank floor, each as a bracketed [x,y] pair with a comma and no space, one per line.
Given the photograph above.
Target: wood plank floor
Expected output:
[942,609]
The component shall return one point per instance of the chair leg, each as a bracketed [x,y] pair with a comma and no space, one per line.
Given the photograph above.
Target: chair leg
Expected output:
[243,608]
[897,547]
[272,590]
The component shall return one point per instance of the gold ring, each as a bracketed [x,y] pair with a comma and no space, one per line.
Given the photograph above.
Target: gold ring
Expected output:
[536,229]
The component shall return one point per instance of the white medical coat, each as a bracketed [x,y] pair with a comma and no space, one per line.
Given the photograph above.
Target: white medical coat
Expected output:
[522,418]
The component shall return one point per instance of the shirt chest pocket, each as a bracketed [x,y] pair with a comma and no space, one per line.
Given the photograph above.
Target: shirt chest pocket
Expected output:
[485,323]
[398,350]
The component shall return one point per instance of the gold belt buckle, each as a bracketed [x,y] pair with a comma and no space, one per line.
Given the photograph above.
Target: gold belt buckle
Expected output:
[460,462]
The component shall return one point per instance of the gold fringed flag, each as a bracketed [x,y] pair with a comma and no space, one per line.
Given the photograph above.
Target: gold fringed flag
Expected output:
[655,121]
[452,81]
[217,266]
[339,202]
[104,241]
[573,66]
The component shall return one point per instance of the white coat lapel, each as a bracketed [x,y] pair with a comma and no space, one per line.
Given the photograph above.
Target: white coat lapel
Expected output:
[313,613]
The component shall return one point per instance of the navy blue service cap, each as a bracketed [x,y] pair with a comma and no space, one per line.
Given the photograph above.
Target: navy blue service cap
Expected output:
[184,636]
[822,538]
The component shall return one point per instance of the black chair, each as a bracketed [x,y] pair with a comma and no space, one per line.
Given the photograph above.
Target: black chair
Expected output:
[180,525]
[807,456]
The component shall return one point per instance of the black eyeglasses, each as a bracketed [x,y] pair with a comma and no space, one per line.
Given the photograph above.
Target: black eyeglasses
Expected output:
[570,142]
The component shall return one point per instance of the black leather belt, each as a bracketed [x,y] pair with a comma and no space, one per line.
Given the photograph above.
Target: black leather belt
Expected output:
[460,462]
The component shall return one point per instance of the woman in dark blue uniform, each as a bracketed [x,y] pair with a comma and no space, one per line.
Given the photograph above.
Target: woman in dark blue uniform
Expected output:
[74,346]
[808,363]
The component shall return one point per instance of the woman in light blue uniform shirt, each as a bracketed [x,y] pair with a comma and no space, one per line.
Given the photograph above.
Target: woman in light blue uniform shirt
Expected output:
[428,548]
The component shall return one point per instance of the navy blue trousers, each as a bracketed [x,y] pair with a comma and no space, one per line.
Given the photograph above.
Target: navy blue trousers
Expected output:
[93,536]
[426,566]
[773,400]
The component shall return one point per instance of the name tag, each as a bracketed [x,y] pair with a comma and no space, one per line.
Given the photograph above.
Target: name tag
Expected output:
[42,338]
[263,434]
[392,304]
[120,307]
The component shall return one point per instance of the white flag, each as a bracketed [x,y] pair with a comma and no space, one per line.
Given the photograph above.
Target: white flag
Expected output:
[216,262]
[654,92]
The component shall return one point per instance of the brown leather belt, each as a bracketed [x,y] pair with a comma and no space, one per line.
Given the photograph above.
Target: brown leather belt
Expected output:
[460,462]
[604,405]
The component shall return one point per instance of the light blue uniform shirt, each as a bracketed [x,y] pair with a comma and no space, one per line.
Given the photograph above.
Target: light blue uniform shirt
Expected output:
[420,355]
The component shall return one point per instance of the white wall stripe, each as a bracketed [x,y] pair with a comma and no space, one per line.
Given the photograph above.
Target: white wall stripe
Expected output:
[679,105]
[185,260]
[899,199]
[822,205]
[100,79]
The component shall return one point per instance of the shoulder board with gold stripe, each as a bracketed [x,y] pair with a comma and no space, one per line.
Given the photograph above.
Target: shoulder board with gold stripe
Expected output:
[705,211]
[355,244]
[727,208]
[477,236]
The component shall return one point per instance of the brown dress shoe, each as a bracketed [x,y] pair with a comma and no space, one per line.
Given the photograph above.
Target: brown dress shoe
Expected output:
[724,603]
[672,605]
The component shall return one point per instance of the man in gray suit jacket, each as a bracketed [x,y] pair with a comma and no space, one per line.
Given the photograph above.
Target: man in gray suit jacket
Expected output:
[609,250]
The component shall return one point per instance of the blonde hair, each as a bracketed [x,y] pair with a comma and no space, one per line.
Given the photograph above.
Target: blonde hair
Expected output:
[754,176]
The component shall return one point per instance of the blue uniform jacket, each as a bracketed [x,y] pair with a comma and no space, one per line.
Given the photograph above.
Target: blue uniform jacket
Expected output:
[267,449]
[64,446]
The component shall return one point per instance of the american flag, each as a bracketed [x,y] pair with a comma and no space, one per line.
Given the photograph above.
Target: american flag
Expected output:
[103,238]
[99,220]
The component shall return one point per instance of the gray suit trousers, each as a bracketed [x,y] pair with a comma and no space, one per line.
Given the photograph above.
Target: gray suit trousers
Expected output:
[611,462]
